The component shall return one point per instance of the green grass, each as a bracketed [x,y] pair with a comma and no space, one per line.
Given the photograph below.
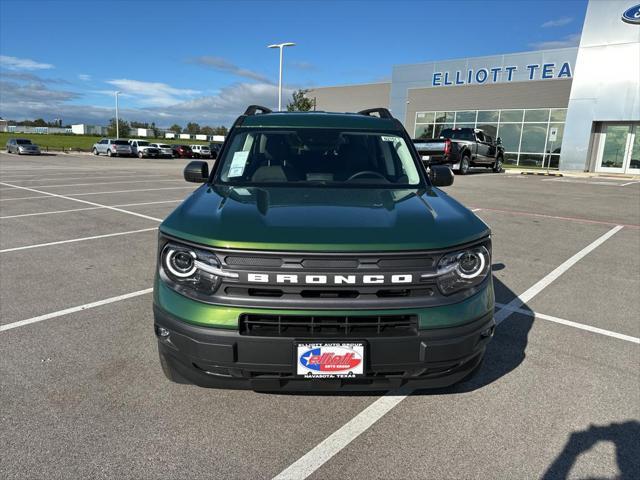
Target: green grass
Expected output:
[61,142]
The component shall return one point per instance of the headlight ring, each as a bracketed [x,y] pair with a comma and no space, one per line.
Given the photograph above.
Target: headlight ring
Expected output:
[180,263]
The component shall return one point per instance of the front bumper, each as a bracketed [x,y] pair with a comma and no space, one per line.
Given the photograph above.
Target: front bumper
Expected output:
[223,358]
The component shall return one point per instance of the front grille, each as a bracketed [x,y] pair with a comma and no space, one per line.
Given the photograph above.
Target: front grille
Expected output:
[328,326]
[317,263]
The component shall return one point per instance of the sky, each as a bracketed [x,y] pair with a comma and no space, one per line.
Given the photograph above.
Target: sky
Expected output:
[205,61]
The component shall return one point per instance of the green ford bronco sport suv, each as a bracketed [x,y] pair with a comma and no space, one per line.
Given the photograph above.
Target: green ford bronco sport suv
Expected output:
[318,254]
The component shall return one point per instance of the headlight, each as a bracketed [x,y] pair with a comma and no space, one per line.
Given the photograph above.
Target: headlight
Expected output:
[191,271]
[463,269]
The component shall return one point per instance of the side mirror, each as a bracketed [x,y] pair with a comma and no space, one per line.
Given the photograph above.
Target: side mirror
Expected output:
[196,172]
[214,155]
[499,141]
[440,175]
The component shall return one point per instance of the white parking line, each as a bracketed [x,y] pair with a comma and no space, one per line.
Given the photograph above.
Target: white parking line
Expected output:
[325,450]
[629,183]
[68,196]
[85,173]
[115,209]
[92,176]
[73,240]
[97,182]
[67,311]
[86,208]
[581,326]
[534,290]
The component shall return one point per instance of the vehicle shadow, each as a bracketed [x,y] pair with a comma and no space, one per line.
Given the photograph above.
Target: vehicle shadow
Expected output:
[624,437]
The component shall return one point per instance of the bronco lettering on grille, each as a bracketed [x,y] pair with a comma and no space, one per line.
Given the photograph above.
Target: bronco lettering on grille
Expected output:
[328,279]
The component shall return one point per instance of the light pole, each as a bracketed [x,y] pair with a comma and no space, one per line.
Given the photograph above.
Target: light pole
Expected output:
[281,47]
[117,121]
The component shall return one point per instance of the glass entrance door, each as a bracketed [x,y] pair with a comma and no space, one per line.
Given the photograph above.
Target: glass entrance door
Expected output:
[620,149]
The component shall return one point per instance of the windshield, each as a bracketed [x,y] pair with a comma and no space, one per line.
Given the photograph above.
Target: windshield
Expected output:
[458,134]
[317,157]
[142,143]
[162,145]
[120,142]
[23,142]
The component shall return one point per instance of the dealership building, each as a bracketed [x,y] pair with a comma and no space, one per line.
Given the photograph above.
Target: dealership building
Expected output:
[572,108]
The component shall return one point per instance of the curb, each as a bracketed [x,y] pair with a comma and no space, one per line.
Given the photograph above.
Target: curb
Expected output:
[544,174]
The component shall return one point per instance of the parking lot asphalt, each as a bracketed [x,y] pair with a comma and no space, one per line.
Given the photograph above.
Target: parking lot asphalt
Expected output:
[82,394]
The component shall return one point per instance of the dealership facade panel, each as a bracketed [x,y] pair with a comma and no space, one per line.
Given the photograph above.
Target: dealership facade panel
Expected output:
[572,108]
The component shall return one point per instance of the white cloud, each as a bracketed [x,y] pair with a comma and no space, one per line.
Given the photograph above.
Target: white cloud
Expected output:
[153,94]
[15,63]
[222,65]
[231,101]
[221,108]
[84,77]
[568,41]
[558,22]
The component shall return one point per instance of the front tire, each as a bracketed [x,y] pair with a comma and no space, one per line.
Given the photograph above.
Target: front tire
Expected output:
[464,165]
[140,155]
[95,151]
[497,166]
[109,154]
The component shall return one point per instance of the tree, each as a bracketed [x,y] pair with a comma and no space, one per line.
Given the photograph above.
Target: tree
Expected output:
[123,126]
[39,122]
[175,128]
[135,124]
[221,130]
[193,128]
[206,130]
[300,102]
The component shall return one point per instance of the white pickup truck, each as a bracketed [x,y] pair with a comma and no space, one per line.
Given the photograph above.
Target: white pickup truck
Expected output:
[142,148]
[201,151]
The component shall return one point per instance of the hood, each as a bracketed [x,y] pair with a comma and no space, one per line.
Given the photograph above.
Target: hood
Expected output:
[323,219]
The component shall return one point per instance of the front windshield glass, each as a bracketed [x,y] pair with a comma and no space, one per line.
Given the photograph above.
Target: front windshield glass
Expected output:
[142,143]
[317,157]
[121,142]
[162,145]
[23,142]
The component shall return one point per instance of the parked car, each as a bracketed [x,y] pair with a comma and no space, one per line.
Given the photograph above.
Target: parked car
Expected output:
[182,151]
[215,149]
[462,148]
[22,146]
[143,149]
[201,151]
[112,147]
[165,149]
[321,257]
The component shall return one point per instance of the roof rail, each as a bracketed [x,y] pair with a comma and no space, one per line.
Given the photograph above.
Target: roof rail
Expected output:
[252,109]
[382,112]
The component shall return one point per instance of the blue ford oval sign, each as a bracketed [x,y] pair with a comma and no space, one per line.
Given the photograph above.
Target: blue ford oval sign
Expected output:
[632,15]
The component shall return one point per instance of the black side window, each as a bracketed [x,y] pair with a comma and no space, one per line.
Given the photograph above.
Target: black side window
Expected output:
[480,136]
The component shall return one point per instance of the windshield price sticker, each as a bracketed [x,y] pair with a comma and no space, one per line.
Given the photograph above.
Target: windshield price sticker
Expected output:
[238,164]
[388,139]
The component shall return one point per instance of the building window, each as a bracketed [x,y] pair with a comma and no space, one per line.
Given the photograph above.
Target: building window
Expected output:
[525,133]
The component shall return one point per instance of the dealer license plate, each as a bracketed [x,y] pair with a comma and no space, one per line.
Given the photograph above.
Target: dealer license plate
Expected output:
[330,360]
